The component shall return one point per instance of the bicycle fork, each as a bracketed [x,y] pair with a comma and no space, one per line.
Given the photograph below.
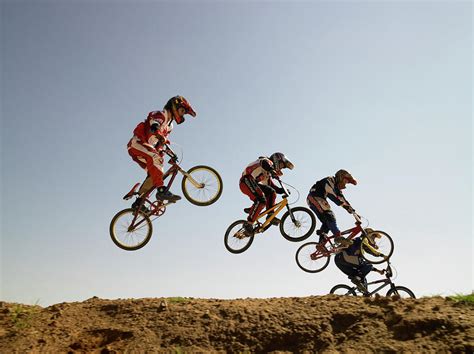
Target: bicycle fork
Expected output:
[292,217]
[191,179]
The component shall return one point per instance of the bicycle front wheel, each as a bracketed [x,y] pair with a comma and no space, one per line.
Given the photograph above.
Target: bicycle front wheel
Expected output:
[235,239]
[202,186]
[309,259]
[130,229]
[401,291]
[342,289]
[376,247]
[300,227]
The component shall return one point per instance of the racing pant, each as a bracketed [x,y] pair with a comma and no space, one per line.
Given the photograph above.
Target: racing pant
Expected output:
[151,162]
[323,211]
[262,195]
[350,269]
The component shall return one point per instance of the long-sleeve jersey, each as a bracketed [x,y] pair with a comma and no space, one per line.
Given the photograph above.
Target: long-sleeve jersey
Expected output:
[260,170]
[326,188]
[143,133]
[351,254]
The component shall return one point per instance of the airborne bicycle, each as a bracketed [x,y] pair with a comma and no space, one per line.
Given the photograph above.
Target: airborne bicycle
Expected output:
[297,224]
[376,248]
[394,290]
[131,229]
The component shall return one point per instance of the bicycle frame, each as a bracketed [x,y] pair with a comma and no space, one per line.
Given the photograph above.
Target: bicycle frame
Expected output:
[274,210]
[385,282]
[353,232]
[158,208]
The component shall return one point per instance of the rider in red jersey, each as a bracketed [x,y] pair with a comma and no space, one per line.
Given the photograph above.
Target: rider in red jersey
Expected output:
[146,145]
[256,182]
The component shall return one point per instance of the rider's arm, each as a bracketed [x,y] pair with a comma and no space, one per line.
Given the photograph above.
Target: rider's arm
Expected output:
[266,164]
[368,248]
[339,199]
[277,189]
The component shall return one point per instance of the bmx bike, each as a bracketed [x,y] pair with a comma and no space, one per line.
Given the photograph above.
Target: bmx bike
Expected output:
[131,228]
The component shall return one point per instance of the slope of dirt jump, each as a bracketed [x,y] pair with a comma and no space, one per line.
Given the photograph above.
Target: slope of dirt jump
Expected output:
[318,323]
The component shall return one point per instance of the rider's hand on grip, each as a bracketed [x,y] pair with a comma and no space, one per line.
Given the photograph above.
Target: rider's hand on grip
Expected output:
[349,209]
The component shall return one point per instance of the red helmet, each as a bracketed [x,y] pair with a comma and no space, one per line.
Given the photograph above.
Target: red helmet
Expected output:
[175,103]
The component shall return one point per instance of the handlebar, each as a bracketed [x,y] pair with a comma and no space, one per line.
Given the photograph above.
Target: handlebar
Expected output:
[357,217]
[287,192]
[168,151]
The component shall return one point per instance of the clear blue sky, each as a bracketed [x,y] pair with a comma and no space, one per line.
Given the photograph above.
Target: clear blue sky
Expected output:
[383,90]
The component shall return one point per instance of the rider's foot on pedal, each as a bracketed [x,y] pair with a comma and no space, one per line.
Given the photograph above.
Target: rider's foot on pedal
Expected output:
[165,194]
[360,283]
[248,229]
[322,236]
[342,241]
[320,246]
[275,221]
[137,203]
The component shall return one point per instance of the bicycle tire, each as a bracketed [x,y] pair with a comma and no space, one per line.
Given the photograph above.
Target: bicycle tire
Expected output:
[346,290]
[304,260]
[230,239]
[121,221]
[213,183]
[401,289]
[301,215]
[387,252]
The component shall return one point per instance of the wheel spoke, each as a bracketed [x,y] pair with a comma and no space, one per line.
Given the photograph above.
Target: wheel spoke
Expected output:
[211,185]
[310,259]
[130,239]
[235,240]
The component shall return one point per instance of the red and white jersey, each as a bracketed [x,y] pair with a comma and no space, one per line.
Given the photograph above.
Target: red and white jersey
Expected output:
[260,174]
[144,135]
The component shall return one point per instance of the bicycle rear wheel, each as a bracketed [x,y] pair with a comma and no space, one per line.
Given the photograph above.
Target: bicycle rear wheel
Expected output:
[309,259]
[377,247]
[235,239]
[299,229]
[130,238]
[209,187]
[342,289]
[401,291]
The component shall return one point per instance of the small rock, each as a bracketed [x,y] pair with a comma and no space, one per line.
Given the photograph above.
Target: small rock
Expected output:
[163,306]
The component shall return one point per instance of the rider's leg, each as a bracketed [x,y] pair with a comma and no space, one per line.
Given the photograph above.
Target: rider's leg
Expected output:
[319,206]
[146,186]
[364,269]
[249,187]
[153,164]
[270,196]
[332,225]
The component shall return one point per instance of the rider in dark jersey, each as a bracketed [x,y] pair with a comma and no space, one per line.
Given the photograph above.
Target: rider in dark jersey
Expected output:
[330,187]
[350,262]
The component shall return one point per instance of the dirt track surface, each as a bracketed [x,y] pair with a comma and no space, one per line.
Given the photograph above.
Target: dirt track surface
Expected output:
[318,323]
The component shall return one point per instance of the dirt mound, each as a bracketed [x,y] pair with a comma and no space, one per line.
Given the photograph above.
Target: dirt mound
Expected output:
[317,323]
